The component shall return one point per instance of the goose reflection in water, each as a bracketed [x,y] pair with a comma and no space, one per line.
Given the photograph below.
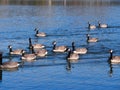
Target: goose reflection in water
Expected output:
[110,69]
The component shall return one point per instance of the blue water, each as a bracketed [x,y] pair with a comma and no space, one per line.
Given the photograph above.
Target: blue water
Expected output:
[63,23]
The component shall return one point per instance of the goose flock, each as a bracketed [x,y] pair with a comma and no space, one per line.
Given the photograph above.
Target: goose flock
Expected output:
[38,50]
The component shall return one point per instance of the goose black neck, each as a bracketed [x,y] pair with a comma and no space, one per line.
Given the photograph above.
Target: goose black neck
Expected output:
[54,45]
[73,46]
[99,25]
[0,58]
[88,25]
[37,32]
[111,55]
[33,50]
[69,54]
[10,50]
[88,38]
[30,43]
[23,54]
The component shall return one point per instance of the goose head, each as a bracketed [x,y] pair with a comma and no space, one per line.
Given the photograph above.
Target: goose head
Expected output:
[37,31]
[54,44]
[111,55]
[10,48]
[111,51]
[23,52]
[69,51]
[88,36]
[73,46]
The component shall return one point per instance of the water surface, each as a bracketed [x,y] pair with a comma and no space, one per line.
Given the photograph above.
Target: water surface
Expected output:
[63,22]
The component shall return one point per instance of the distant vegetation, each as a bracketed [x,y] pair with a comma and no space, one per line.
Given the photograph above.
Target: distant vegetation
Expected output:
[60,2]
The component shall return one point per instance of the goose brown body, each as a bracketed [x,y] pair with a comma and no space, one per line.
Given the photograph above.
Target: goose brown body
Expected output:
[102,25]
[41,52]
[59,48]
[92,27]
[9,65]
[78,50]
[35,46]
[39,34]
[29,56]
[89,39]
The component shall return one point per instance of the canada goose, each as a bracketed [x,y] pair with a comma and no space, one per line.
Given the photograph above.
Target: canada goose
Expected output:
[91,26]
[100,25]
[114,59]
[41,53]
[9,65]
[78,50]
[58,48]
[28,57]
[35,46]
[72,56]
[39,34]
[91,39]
[15,52]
